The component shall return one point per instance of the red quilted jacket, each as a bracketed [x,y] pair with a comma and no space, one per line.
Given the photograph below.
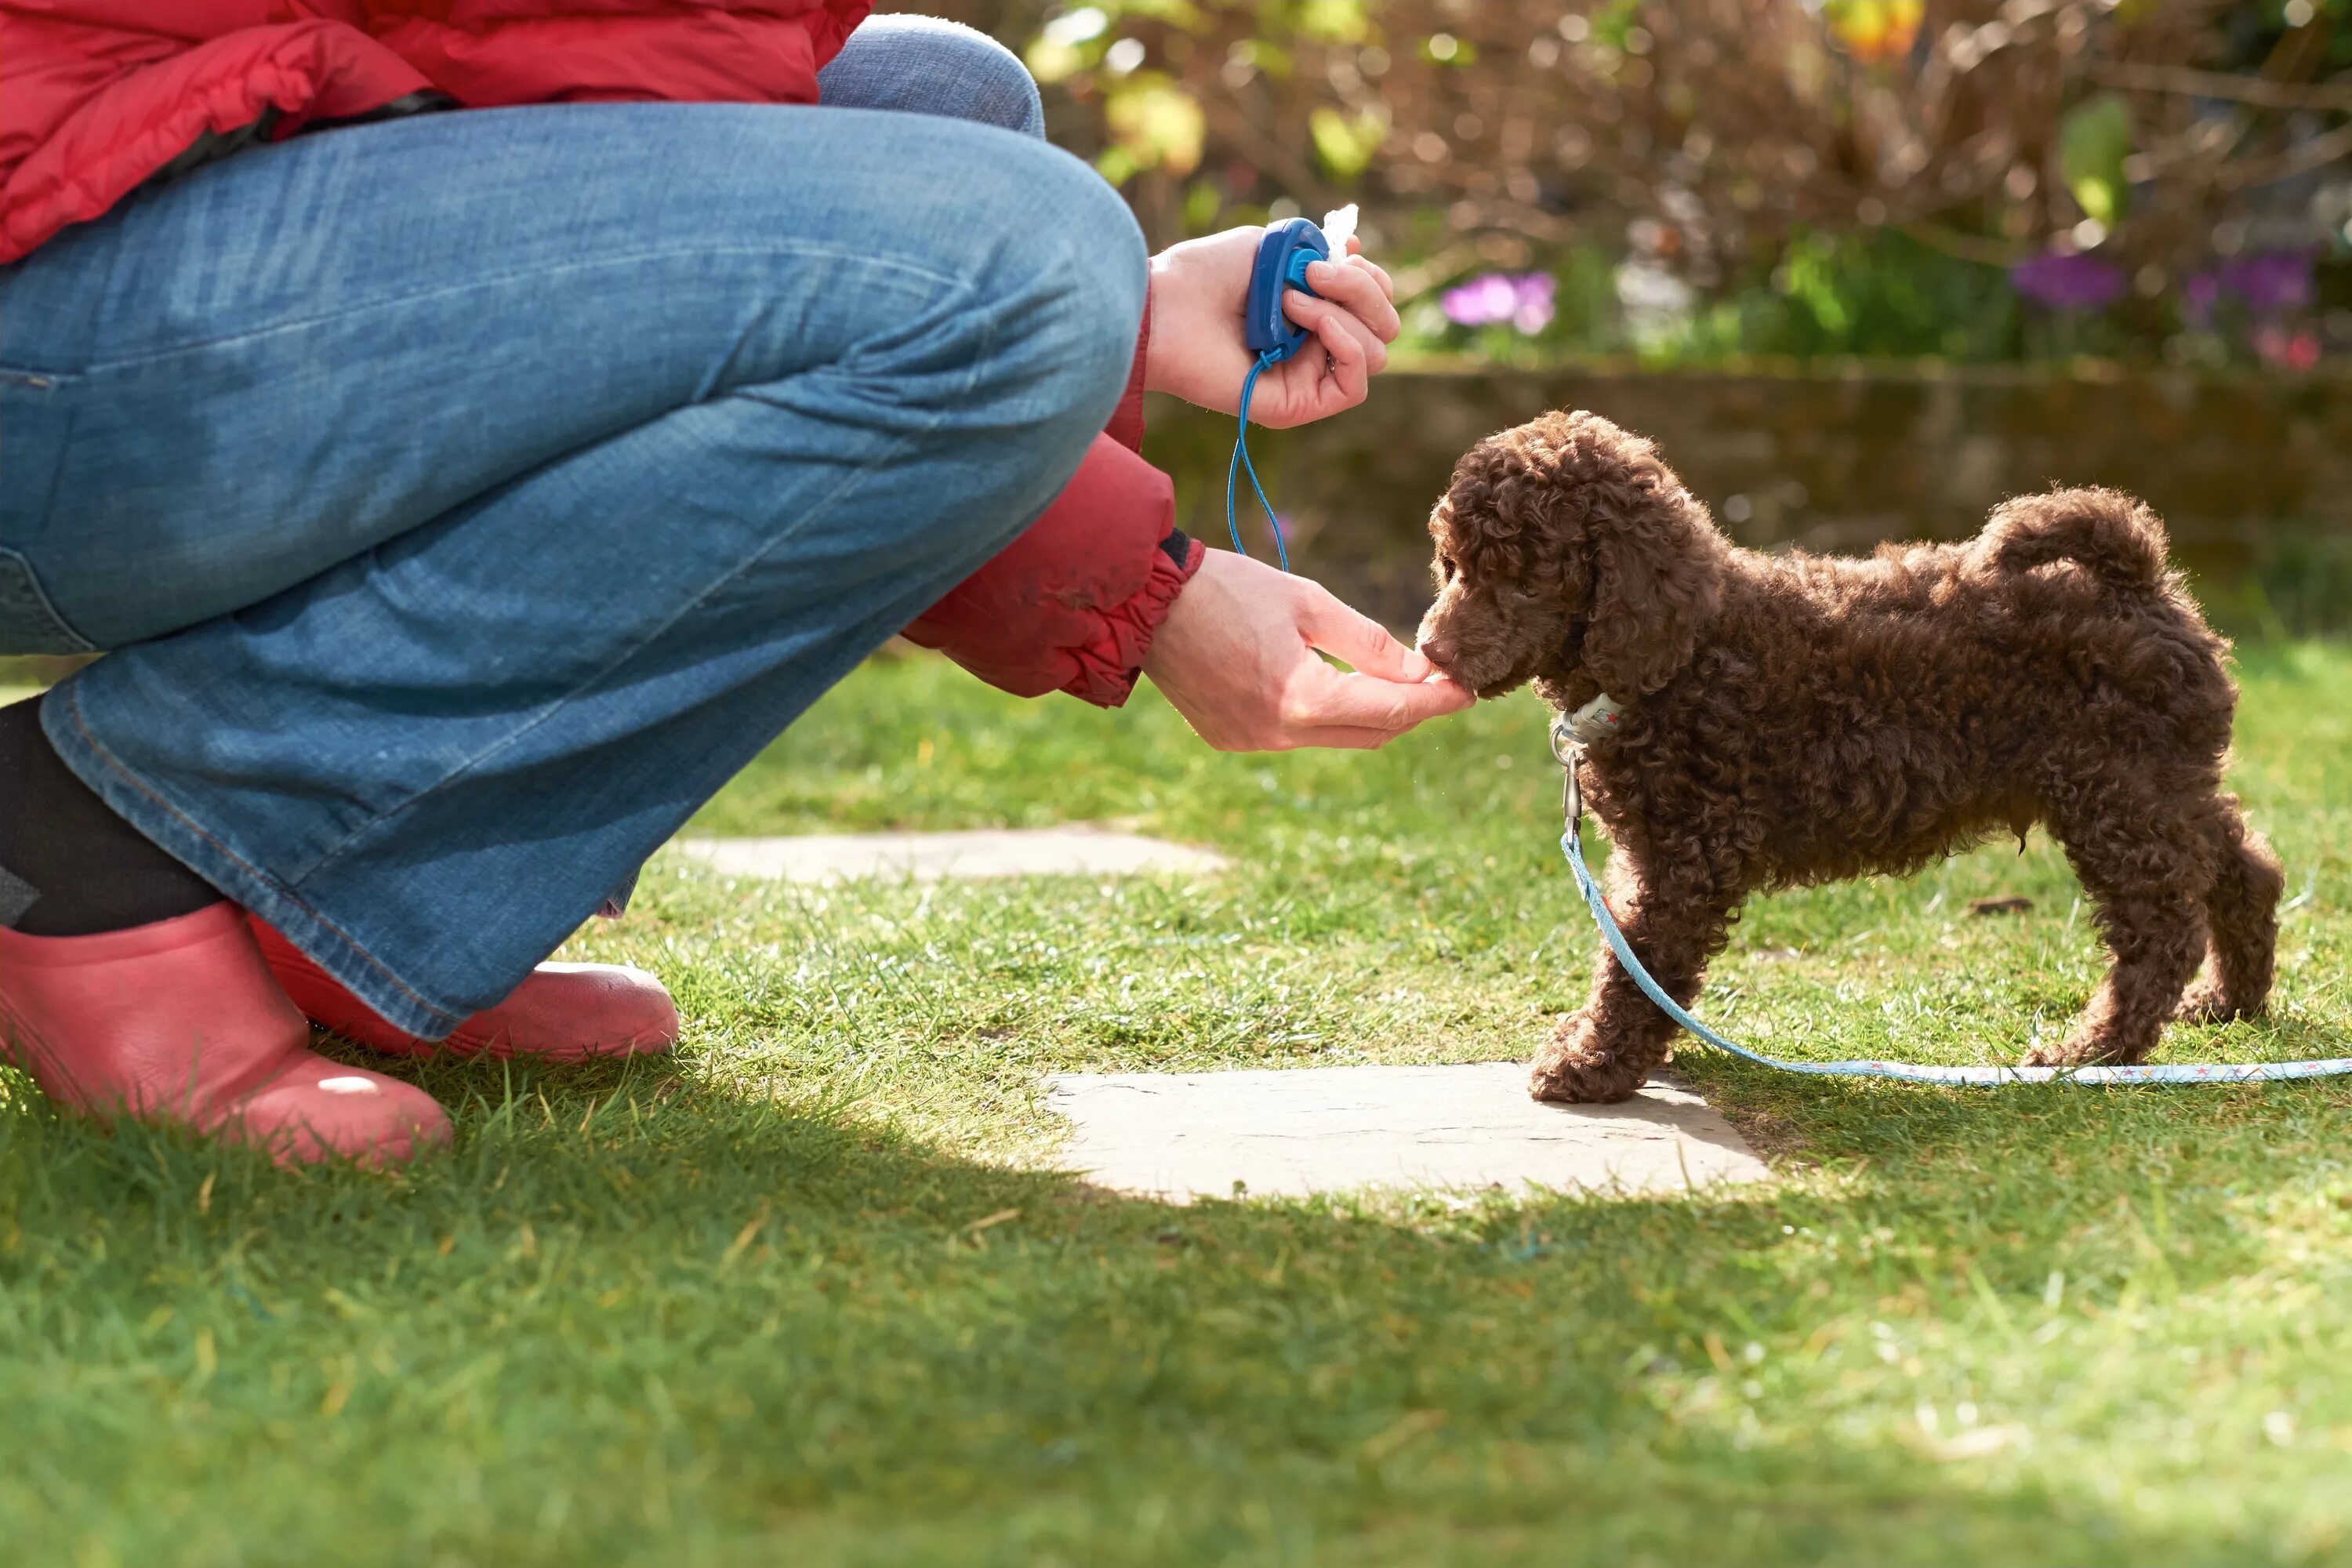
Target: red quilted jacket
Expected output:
[96,97]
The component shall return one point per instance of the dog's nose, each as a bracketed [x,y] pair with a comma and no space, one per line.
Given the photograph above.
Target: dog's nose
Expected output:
[1438,651]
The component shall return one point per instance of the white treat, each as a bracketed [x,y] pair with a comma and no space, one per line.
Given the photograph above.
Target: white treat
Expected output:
[1338,228]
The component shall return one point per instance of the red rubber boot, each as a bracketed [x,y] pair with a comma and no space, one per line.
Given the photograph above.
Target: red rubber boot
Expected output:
[180,1021]
[561,1012]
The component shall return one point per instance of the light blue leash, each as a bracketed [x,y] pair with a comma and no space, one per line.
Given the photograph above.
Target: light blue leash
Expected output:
[1567,746]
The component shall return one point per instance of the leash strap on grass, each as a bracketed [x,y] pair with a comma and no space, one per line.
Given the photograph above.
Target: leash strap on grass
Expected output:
[1566,747]
[1240,463]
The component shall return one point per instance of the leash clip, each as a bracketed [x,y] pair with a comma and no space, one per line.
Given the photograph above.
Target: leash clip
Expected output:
[1566,744]
[1568,750]
[1571,733]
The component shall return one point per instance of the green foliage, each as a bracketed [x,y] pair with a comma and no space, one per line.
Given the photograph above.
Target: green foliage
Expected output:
[1789,137]
[1611,22]
[738,1307]
[1346,146]
[1331,21]
[1870,292]
[2094,141]
[1154,124]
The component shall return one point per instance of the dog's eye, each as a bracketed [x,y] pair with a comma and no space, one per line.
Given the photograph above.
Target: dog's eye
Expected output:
[1446,566]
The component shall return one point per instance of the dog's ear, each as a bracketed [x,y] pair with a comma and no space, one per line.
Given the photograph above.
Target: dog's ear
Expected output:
[1657,564]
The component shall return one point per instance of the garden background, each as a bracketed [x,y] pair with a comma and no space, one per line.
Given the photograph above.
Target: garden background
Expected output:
[808,1290]
[1862,266]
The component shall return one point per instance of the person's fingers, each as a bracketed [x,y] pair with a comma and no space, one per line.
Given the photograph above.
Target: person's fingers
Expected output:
[1380,311]
[1353,355]
[1357,638]
[1363,700]
[1356,257]
[1324,318]
[1340,737]
[1376,352]
[1368,702]
[1432,699]
[1355,289]
[1329,375]
[1309,311]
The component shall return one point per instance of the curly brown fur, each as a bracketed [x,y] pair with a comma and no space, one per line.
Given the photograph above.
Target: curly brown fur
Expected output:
[1797,718]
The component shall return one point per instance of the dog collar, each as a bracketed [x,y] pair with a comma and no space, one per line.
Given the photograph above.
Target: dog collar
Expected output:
[1596,719]
[1572,732]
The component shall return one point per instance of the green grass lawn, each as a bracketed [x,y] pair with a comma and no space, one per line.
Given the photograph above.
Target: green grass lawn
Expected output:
[800,1294]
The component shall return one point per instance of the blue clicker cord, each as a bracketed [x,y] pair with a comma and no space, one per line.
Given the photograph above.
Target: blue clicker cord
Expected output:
[1240,463]
[1567,749]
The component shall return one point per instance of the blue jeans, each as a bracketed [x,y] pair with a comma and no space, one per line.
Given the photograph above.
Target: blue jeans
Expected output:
[466,498]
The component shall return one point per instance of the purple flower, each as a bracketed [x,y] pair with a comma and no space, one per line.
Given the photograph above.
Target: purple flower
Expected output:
[1481,302]
[2273,283]
[1535,306]
[2068,282]
[1523,299]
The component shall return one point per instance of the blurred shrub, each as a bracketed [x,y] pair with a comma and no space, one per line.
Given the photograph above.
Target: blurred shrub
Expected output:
[1754,175]
[1869,293]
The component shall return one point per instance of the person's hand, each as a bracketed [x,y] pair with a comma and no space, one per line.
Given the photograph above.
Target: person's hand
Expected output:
[1236,656]
[1198,292]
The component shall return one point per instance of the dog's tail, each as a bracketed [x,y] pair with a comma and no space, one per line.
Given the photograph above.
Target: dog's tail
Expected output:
[2111,534]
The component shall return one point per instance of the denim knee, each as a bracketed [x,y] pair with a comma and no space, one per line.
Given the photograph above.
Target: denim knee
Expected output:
[923,65]
[1088,258]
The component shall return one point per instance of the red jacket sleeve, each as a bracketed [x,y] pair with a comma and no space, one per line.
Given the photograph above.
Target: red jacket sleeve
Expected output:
[1071,606]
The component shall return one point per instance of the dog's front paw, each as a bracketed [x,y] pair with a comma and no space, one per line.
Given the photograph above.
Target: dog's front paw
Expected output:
[1584,1083]
[1574,1071]
[2084,1047]
[2208,1002]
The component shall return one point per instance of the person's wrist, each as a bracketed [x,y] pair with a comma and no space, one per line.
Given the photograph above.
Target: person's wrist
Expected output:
[1163,294]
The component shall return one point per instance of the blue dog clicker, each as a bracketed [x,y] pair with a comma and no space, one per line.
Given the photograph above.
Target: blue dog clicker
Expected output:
[1282,260]
[1283,257]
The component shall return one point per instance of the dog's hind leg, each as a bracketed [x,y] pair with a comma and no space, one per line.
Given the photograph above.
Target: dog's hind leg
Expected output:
[2242,920]
[1605,1050]
[2149,866]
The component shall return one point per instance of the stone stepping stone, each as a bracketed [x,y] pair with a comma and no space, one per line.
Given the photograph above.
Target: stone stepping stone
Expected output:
[1290,1133]
[1070,851]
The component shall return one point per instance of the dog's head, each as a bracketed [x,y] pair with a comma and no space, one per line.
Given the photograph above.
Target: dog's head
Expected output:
[1565,547]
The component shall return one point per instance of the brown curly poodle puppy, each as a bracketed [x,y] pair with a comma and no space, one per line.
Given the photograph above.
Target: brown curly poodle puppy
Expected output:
[1795,719]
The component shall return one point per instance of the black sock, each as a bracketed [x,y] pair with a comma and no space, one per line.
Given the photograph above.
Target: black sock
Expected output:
[68,866]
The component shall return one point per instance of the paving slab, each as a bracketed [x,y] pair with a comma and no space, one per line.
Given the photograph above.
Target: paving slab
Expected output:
[827,857]
[1290,1133]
